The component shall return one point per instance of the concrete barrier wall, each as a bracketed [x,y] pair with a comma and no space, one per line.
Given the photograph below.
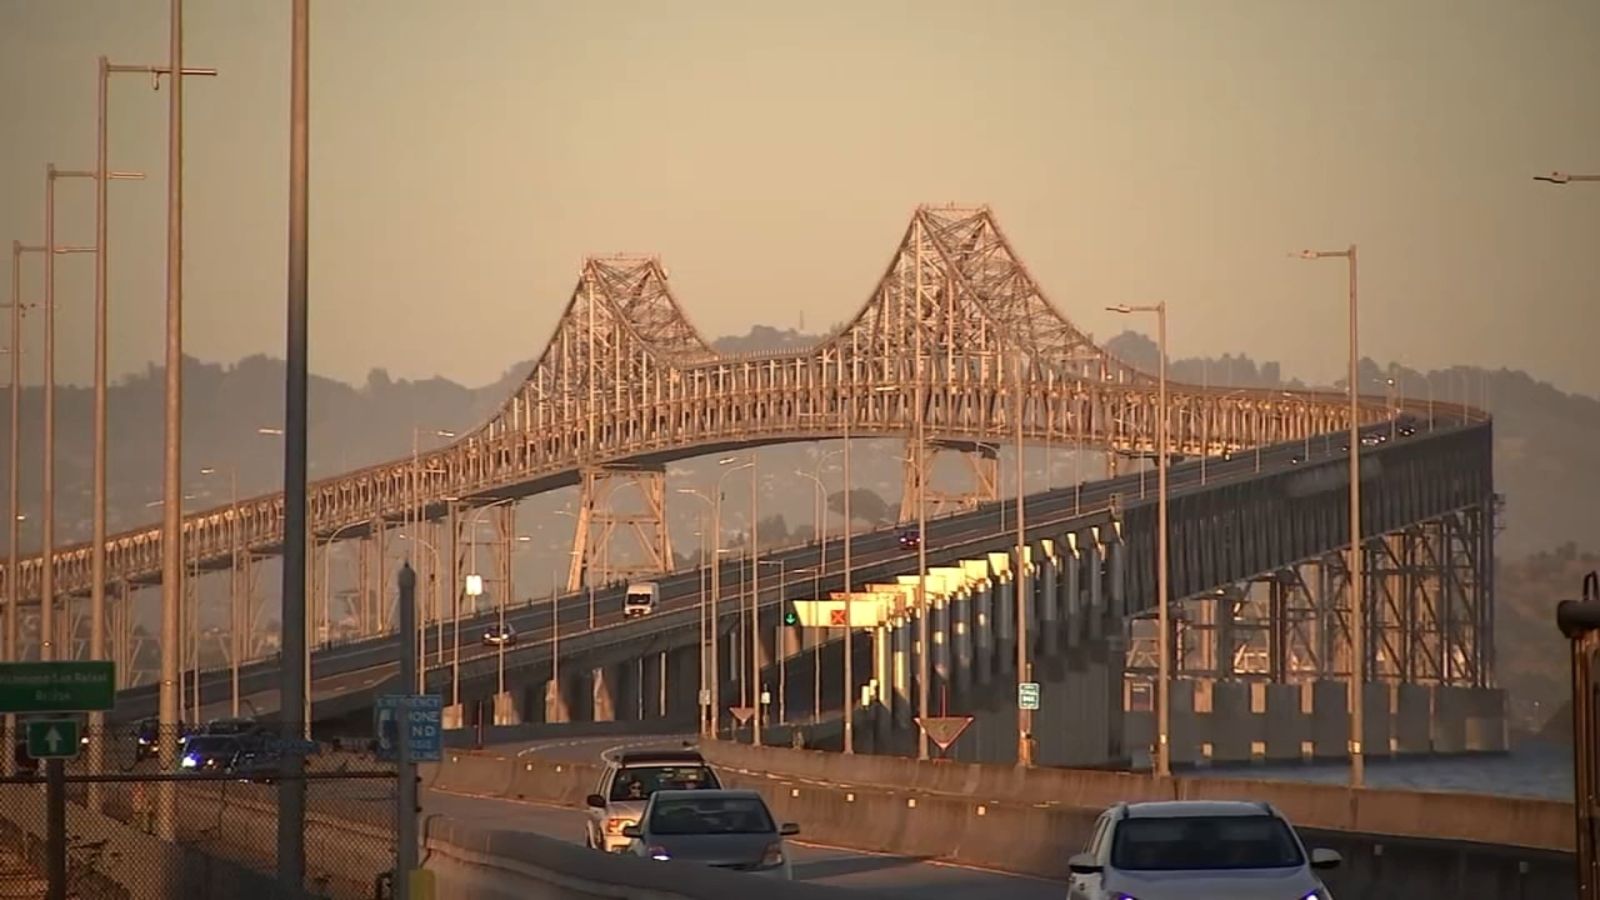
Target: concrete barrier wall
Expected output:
[1506,821]
[1400,844]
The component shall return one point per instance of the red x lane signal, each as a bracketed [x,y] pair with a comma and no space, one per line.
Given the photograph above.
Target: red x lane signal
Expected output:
[837,617]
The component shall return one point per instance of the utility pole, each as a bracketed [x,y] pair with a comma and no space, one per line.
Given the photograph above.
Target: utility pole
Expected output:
[1024,669]
[14,522]
[919,463]
[755,604]
[296,693]
[1358,597]
[406,776]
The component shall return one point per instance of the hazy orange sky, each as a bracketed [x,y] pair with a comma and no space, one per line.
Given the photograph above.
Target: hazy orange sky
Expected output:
[467,155]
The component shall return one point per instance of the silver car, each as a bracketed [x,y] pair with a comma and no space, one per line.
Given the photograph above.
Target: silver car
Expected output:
[628,782]
[1197,850]
[726,829]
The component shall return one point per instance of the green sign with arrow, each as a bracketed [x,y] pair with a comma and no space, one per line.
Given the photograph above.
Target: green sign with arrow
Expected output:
[53,739]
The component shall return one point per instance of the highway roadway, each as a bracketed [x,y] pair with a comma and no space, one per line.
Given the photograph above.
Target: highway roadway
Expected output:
[681,591]
[813,859]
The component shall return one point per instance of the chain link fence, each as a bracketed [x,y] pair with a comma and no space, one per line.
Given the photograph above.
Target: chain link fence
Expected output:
[201,822]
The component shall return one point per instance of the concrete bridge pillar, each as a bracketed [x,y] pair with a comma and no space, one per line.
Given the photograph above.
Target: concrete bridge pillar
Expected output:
[939,661]
[652,686]
[1072,605]
[1093,564]
[559,697]
[900,660]
[1330,719]
[602,696]
[1116,567]
[1005,620]
[1413,719]
[1288,728]
[1049,640]
[983,634]
[682,683]
[960,616]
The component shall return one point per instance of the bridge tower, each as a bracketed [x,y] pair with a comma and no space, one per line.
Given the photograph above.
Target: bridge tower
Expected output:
[983,465]
[598,521]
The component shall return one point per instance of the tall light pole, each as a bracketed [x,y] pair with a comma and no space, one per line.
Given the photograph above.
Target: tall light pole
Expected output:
[235,637]
[778,643]
[924,670]
[422,627]
[755,603]
[327,577]
[47,592]
[716,588]
[1024,665]
[14,514]
[1565,178]
[415,513]
[708,635]
[1358,625]
[1163,761]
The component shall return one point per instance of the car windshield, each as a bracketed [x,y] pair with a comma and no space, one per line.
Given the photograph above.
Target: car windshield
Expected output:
[638,783]
[1204,842]
[211,746]
[711,815]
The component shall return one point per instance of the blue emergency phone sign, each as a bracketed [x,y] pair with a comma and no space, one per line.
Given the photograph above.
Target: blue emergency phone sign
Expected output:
[422,714]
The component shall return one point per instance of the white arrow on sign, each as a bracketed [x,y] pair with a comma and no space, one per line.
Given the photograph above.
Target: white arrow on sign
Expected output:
[52,739]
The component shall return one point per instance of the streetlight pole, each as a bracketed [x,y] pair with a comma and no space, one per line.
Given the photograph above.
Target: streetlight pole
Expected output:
[14,520]
[235,638]
[172,430]
[1358,626]
[778,642]
[1163,761]
[708,633]
[755,604]
[47,592]
[924,670]
[422,627]
[1024,667]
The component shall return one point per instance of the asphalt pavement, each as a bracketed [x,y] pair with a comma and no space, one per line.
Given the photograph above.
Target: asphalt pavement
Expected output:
[814,861]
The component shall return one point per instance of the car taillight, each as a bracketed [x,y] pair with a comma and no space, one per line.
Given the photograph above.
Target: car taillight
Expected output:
[773,855]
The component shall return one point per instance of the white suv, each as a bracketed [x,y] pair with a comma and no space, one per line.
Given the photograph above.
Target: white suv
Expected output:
[1197,850]
[627,783]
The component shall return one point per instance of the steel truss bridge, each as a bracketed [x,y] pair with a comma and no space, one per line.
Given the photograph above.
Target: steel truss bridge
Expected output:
[957,343]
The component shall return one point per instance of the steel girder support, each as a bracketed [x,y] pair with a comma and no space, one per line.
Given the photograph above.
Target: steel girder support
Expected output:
[598,521]
[983,464]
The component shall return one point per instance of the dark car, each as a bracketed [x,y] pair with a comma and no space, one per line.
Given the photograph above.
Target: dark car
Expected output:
[240,725]
[211,753]
[910,539]
[726,829]
[146,737]
[500,636]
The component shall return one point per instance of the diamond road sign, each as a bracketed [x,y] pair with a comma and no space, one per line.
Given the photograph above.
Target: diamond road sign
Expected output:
[78,686]
[53,739]
[1028,695]
[424,714]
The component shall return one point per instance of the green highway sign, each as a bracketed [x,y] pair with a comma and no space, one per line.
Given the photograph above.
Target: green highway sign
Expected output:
[76,686]
[53,739]
[1028,695]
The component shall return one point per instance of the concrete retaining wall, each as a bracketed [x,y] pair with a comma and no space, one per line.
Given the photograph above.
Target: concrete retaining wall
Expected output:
[1477,818]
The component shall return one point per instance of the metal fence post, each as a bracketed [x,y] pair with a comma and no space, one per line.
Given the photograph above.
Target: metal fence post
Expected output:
[55,829]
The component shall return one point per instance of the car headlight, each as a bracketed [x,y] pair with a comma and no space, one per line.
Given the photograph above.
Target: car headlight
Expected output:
[614,826]
[1318,894]
[773,855]
[659,853]
[189,762]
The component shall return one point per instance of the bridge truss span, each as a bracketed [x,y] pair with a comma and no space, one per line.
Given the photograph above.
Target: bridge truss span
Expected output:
[956,336]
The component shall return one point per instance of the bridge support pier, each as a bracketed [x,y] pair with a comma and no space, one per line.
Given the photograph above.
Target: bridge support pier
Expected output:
[598,520]
[602,695]
[983,466]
